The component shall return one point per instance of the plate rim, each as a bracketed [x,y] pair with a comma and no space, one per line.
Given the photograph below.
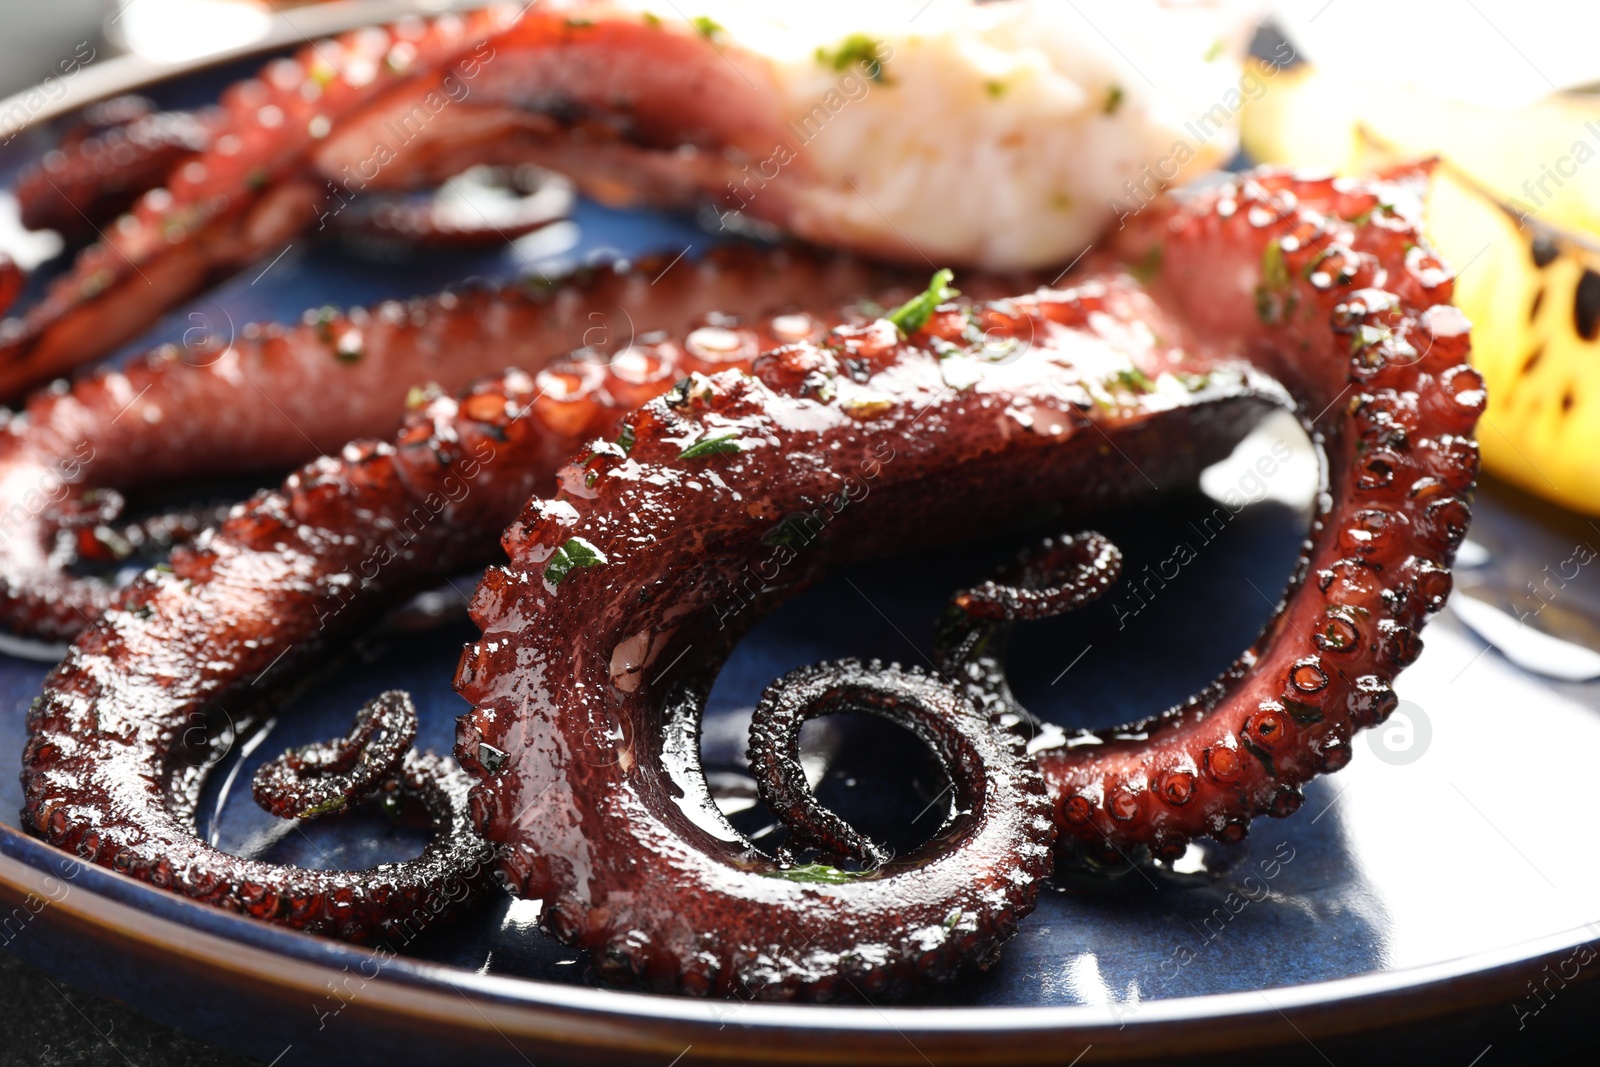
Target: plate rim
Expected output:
[581,1018]
[129,72]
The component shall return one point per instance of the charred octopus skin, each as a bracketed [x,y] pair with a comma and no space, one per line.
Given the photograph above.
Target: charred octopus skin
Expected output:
[633,106]
[1342,302]
[290,575]
[626,590]
[275,396]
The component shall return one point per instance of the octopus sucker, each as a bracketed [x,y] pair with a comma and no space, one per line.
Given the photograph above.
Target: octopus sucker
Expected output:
[785,452]
[276,396]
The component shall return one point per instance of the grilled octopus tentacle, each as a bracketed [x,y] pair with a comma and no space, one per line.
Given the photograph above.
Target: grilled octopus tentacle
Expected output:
[626,590]
[987,769]
[124,148]
[275,396]
[292,573]
[251,188]
[868,431]
[1350,310]
[121,150]
[1060,575]
[329,776]
[291,147]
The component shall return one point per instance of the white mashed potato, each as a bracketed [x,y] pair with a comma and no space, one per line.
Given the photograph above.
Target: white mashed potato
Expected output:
[1007,134]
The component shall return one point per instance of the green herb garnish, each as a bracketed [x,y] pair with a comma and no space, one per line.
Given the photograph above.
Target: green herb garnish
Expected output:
[791,531]
[856,50]
[914,314]
[713,446]
[1113,100]
[708,28]
[323,319]
[1274,301]
[574,554]
[625,438]
[325,808]
[817,872]
[1274,268]
[1214,53]
[1149,265]
[1134,378]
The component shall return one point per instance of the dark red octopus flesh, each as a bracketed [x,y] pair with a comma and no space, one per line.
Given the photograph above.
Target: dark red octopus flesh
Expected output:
[276,396]
[630,107]
[625,590]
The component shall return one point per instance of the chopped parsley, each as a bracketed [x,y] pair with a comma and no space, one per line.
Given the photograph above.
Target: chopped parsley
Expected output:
[708,28]
[792,531]
[323,319]
[713,446]
[574,554]
[817,872]
[1274,268]
[1316,261]
[422,395]
[1366,216]
[1367,335]
[626,438]
[1274,300]
[325,808]
[856,50]
[1149,265]
[1113,99]
[1133,378]
[914,314]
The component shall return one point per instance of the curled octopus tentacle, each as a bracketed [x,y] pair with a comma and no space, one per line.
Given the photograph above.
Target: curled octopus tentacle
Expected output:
[576,738]
[988,769]
[1346,306]
[330,776]
[485,206]
[1058,576]
[276,396]
[292,573]
[625,591]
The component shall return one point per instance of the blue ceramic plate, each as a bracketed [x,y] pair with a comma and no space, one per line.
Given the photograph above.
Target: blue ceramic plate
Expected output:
[1438,873]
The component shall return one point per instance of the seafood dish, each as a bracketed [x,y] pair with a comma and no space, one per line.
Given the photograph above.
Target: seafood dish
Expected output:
[1002,341]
